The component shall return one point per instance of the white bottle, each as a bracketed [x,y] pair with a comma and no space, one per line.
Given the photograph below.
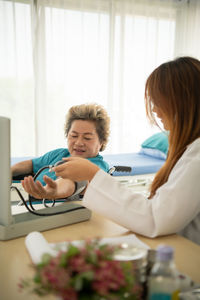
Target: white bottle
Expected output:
[163,279]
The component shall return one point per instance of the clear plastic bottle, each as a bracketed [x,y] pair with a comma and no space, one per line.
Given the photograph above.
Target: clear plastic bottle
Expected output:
[163,279]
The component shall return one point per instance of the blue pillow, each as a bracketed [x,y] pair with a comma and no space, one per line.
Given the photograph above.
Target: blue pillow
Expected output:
[154,153]
[158,141]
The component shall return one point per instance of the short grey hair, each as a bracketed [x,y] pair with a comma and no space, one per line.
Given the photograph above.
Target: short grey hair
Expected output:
[90,112]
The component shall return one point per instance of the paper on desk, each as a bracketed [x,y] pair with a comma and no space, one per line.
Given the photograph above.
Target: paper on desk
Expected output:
[37,245]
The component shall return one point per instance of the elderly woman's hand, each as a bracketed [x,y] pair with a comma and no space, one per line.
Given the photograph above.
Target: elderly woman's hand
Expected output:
[76,169]
[37,190]
[60,188]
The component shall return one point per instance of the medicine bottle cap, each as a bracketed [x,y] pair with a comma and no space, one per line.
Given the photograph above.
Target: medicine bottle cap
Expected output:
[165,253]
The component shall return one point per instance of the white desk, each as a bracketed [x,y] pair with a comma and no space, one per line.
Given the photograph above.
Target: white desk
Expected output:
[15,261]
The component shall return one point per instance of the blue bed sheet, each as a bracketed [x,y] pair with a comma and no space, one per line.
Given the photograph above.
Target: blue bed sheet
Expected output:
[139,162]
[15,160]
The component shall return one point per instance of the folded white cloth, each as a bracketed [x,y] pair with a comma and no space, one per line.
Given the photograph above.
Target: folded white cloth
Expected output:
[37,245]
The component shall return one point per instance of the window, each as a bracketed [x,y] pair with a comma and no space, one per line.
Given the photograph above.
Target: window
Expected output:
[56,54]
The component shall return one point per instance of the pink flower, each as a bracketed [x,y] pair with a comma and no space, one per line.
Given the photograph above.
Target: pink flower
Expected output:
[55,276]
[69,294]
[108,276]
[78,264]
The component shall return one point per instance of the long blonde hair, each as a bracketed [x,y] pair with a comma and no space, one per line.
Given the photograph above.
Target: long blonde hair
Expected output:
[174,87]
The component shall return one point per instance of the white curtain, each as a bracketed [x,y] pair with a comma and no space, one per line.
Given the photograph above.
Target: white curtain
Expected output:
[58,53]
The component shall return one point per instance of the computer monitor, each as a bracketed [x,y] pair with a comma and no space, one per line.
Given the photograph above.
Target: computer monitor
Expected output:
[15,225]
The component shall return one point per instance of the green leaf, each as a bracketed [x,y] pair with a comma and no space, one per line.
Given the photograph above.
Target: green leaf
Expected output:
[78,283]
[63,260]
[41,291]
[37,278]
[82,280]
[45,260]
[92,258]
[72,251]
[89,275]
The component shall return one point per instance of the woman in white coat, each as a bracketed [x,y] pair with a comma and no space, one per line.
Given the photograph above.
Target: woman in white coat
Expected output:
[172,93]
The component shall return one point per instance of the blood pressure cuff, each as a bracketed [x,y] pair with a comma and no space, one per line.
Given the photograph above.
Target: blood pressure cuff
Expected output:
[80,186]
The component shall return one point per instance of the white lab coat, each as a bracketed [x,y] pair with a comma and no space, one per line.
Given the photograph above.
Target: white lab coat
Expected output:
[175,208]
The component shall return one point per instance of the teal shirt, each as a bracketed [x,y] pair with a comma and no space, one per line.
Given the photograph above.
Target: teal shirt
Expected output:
[54,156]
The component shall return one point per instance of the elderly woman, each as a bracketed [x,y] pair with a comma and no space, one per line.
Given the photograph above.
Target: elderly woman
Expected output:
[87,131]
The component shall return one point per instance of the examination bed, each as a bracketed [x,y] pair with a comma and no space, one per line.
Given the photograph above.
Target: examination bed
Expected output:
[140,163]
[148,160]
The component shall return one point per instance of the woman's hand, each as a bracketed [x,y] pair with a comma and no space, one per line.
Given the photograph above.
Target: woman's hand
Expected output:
[60,188]
[37,190]
[76,169]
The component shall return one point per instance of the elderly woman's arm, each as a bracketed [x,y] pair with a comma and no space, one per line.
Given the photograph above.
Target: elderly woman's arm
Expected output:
[23,167]
[60,188]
